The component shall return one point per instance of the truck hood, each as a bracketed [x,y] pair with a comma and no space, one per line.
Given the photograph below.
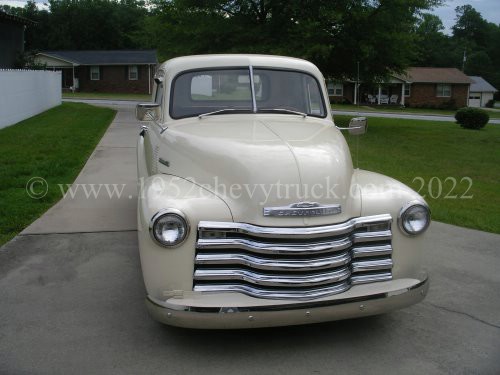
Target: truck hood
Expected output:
[263,161]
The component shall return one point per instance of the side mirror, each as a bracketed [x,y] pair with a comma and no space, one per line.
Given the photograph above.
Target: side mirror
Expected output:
[148,112]
[358,126]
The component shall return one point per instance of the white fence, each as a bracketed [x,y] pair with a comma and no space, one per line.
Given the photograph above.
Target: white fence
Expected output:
[25,93]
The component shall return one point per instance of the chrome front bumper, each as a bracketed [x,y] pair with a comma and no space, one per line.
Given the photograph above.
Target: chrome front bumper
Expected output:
[366,300]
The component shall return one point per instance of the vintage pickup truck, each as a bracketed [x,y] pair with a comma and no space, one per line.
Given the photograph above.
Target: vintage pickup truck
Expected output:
[250,213]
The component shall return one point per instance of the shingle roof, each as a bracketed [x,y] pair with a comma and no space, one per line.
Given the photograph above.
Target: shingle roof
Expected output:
[117,57]
[479,84]
[434,75]
[15,19]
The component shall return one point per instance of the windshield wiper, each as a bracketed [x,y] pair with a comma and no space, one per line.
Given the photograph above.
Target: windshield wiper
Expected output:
[283,110]
[224,110]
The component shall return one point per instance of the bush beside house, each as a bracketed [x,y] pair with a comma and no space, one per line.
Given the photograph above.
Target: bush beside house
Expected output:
[472,118]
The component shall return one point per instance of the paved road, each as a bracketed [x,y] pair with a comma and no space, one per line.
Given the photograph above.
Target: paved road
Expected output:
[404,116]
[349,113]
[71,295]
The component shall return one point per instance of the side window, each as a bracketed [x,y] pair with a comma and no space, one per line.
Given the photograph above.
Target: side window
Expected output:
[407,90]
[95,73]
[443,90]
[133,73]
[313,96]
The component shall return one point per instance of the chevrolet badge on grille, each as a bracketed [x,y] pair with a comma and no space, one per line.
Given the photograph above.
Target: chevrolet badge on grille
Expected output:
[304,209]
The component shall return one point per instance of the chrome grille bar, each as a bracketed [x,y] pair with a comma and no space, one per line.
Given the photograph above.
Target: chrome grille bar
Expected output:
[283,294]
[274,264]
[294,232]
[272,280]
[267,247]
[292,262]
[370,278]
[372,265]
[370,251]
[296,248]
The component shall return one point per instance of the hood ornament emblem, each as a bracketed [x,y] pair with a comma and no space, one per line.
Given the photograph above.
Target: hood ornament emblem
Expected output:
[304,209]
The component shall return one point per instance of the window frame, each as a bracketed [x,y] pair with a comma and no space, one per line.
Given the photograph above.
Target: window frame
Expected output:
[407,87]
[440,92]
[334,88]
[92,72]
[136,72]
[247,67]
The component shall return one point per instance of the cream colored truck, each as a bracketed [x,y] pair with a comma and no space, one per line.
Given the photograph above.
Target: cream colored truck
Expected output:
[250,213]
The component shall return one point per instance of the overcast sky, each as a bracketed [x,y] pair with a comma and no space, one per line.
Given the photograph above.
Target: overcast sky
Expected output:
[489,9]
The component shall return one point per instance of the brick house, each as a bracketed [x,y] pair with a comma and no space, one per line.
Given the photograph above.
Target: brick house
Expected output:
[121,71]
[417,87]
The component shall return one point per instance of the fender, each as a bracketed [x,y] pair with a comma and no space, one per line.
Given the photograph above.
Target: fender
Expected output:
[380,193]
[170,269]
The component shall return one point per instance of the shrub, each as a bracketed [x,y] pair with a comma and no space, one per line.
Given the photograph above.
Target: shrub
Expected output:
[450,104]
[490,103]
[472,118]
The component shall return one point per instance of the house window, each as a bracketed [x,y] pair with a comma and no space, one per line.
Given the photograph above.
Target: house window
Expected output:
[335,89]
[443,90]
[95,73]
[407,90]
[133,73]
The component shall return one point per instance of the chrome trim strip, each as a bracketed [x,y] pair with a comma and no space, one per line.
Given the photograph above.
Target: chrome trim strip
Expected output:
[274,264]
[421,284]
[372,265]
[294,232]
[281,294]
[364,237]
[267,248]
[370,278]
[369,251]
[290,248]
[272,280]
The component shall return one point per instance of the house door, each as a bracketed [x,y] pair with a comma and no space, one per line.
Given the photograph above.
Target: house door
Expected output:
[474,100]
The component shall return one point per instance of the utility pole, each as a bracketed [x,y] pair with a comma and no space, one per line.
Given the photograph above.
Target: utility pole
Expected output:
[464,60]
[357,87]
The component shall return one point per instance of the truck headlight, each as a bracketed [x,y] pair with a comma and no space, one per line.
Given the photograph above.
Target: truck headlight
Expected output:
[169,228]
[414,218]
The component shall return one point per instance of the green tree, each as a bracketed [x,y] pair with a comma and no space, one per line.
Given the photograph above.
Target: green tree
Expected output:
[94,24]
[480,40]
[333,34]
[470,26]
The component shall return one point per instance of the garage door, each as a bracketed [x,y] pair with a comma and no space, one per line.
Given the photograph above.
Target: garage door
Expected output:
[474,100]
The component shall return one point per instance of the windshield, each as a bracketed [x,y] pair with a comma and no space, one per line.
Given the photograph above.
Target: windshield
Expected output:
[222,91]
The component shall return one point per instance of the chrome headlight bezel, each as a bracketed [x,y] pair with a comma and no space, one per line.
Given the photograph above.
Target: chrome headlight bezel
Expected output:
[405,210]
[169,212]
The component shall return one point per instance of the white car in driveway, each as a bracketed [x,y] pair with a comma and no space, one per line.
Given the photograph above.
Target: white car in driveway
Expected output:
[250,212]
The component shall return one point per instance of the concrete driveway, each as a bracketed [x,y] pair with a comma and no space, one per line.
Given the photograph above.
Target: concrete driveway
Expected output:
[72,295]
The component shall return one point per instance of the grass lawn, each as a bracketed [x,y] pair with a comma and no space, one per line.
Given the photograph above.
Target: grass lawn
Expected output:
[101,95]
[54,145]
[409,110]
[430,156]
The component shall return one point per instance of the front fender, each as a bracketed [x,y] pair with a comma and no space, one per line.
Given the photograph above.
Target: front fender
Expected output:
[168,271]
[382,194]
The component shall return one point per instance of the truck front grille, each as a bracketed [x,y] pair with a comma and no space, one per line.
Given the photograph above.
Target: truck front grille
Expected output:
[297,263]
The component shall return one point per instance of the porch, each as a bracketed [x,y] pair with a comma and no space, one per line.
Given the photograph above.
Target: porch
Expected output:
[392,92]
